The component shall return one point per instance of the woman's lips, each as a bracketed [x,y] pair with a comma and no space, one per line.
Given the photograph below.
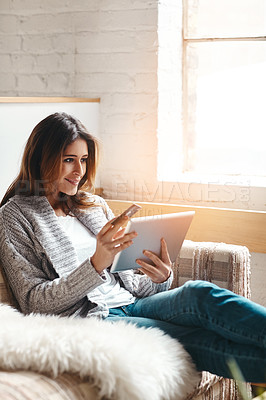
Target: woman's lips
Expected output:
[74,182]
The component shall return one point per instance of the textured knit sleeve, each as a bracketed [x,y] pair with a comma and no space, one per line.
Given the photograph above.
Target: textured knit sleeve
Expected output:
[141,285]
[34,282]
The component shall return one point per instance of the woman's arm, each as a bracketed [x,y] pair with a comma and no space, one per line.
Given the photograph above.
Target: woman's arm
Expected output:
[33,280]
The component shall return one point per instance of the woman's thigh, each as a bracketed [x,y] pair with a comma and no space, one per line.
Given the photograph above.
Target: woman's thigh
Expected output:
[209,351]
[204,305]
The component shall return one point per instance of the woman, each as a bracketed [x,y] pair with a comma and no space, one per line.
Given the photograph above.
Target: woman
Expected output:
[57,242]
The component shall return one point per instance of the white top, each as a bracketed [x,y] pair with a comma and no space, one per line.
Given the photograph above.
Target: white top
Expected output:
[84,242]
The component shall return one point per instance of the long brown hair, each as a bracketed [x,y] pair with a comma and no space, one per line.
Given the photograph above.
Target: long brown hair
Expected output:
[41,161]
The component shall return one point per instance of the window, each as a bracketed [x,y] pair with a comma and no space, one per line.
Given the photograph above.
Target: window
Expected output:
[224,87]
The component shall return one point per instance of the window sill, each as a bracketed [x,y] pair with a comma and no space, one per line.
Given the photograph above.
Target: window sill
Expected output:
[232,180]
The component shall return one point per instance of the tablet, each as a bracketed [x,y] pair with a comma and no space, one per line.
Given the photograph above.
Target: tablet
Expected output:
[172,227]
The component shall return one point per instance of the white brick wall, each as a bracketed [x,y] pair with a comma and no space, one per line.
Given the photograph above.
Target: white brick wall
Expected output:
[90,48]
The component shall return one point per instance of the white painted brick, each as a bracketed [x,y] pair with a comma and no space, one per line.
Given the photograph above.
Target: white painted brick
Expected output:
[147,40]
[37,43]
[129,20]
[8,24]
[7,80]
[146,82]
[141,61]
[134,188]
[130,102]
[5,5]
[32,83]
[5,63]
[118,124]
[67,62]
[81,5]
[31,6]
[115,41]
[103,42]
[56,83]
[47,63]
[21,63]
[86,21]
[10,44]
[128,5]
[146,123]
[139,148]
[43,23]
[98,82]
[20,5]
[64,43]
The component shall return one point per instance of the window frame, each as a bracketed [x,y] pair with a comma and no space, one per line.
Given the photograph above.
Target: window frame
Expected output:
[188,134]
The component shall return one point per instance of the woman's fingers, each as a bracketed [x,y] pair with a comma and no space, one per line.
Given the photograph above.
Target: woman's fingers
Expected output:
[107,247]
[164,253]
[112,229]
[160,269]
[157,275]
[119,234]
[124,239]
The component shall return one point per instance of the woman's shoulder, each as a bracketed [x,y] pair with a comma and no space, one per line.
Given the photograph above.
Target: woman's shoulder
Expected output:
[11,205]
[99,201]
[13,215]
[21,206]
[24,201]
[96,207]
[90,199]
[86,201]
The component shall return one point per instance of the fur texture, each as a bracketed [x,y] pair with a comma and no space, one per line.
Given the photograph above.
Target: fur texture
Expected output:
[125,362]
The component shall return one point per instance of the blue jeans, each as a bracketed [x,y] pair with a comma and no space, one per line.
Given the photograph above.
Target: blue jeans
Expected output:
[213,324]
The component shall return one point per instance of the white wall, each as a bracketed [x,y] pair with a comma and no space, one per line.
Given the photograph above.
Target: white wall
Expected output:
[14,132]
[109,49]
[89,48]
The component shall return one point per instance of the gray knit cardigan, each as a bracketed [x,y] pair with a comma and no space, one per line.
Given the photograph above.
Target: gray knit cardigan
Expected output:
[41,264]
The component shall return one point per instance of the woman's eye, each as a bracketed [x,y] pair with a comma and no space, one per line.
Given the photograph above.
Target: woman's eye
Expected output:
[71,160]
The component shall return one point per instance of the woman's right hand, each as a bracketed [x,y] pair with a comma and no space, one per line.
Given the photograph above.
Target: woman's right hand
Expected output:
[110,241]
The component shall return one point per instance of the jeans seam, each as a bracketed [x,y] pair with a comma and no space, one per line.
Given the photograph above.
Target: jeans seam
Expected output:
[214,322]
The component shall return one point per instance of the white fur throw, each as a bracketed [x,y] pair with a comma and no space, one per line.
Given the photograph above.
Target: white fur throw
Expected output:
[125,362]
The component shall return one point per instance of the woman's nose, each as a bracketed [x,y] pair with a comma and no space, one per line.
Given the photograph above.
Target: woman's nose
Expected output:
[78,168]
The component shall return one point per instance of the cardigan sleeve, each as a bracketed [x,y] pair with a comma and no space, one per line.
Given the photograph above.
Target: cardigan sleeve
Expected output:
[34,283]
[141,285]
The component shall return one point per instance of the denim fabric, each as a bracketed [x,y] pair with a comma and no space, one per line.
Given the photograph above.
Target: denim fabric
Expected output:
[213,324]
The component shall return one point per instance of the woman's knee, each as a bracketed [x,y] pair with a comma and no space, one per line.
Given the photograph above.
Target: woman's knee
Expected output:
[199,284]
[198,288]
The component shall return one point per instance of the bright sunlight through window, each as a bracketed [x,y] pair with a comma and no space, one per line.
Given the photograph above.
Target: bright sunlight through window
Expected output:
[224,88]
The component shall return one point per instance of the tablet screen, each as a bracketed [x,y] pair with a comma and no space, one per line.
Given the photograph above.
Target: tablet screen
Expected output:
[172,227]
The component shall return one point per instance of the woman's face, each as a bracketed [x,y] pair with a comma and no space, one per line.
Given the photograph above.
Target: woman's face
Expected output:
[73,167]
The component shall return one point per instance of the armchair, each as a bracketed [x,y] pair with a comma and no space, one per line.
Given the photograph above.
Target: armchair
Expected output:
[223,264]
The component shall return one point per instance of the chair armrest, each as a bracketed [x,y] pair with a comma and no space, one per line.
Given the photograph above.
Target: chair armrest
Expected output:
[225,265]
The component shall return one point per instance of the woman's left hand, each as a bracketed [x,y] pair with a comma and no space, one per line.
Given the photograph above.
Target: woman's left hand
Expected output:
[160,270]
